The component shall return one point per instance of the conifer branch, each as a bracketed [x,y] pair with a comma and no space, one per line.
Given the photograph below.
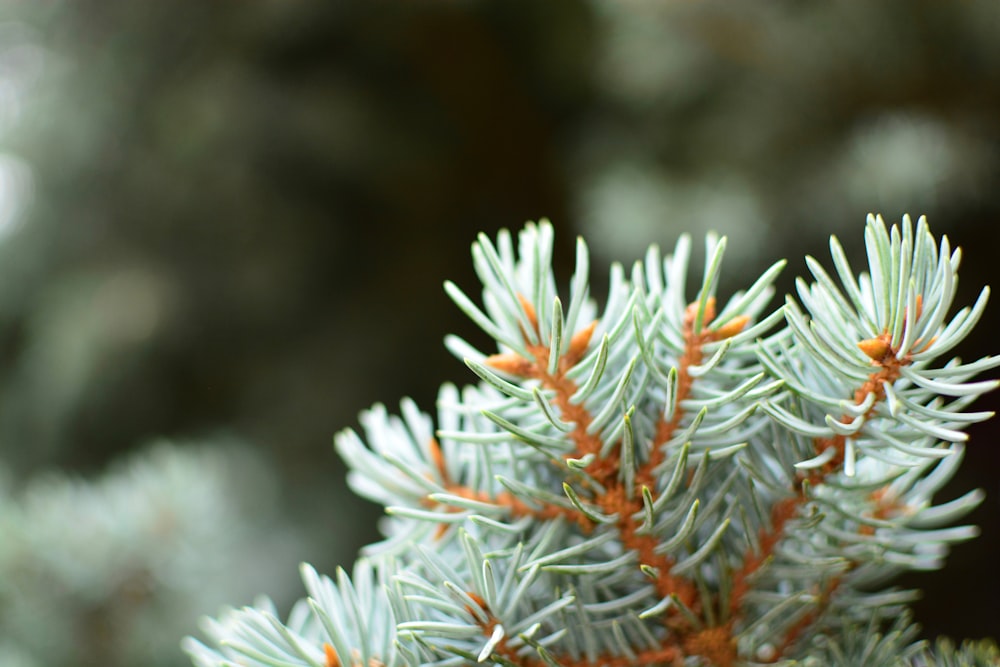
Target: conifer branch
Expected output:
[670,480]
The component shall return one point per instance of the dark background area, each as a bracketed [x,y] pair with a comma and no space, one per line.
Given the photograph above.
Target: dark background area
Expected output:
[235,218]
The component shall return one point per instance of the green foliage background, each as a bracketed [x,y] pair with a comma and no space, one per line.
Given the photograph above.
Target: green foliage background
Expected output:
[235,218]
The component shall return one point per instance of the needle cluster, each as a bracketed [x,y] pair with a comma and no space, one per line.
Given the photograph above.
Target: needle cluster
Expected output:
[676,478]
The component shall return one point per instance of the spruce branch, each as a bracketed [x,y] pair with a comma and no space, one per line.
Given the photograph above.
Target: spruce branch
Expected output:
[676,478]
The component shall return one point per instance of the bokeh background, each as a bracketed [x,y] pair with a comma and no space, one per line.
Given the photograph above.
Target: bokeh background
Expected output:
[224,229]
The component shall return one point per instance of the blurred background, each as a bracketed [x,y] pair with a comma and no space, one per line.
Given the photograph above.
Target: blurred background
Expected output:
[224,229]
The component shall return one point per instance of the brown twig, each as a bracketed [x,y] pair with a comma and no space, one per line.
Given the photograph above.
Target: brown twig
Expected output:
[888,368]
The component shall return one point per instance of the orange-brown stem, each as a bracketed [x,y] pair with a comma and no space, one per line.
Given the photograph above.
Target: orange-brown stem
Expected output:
[781,512]
[799,627]
[332,660]
[664,655]
[517,507]
[888,369]
[716,644]
[331,656]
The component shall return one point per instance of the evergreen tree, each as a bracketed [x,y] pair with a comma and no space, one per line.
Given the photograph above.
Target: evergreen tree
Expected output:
[674,479]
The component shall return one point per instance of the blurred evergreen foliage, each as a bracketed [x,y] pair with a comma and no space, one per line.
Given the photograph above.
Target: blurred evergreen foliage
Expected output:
[237,218]
[110,571]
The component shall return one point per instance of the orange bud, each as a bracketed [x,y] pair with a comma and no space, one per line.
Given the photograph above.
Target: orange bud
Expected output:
[579,342]
[691,312]
[732,327]
[331,656]
[477,599]
[511,363]
[529,309]
[709,310]
[438,457]
[876,348]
